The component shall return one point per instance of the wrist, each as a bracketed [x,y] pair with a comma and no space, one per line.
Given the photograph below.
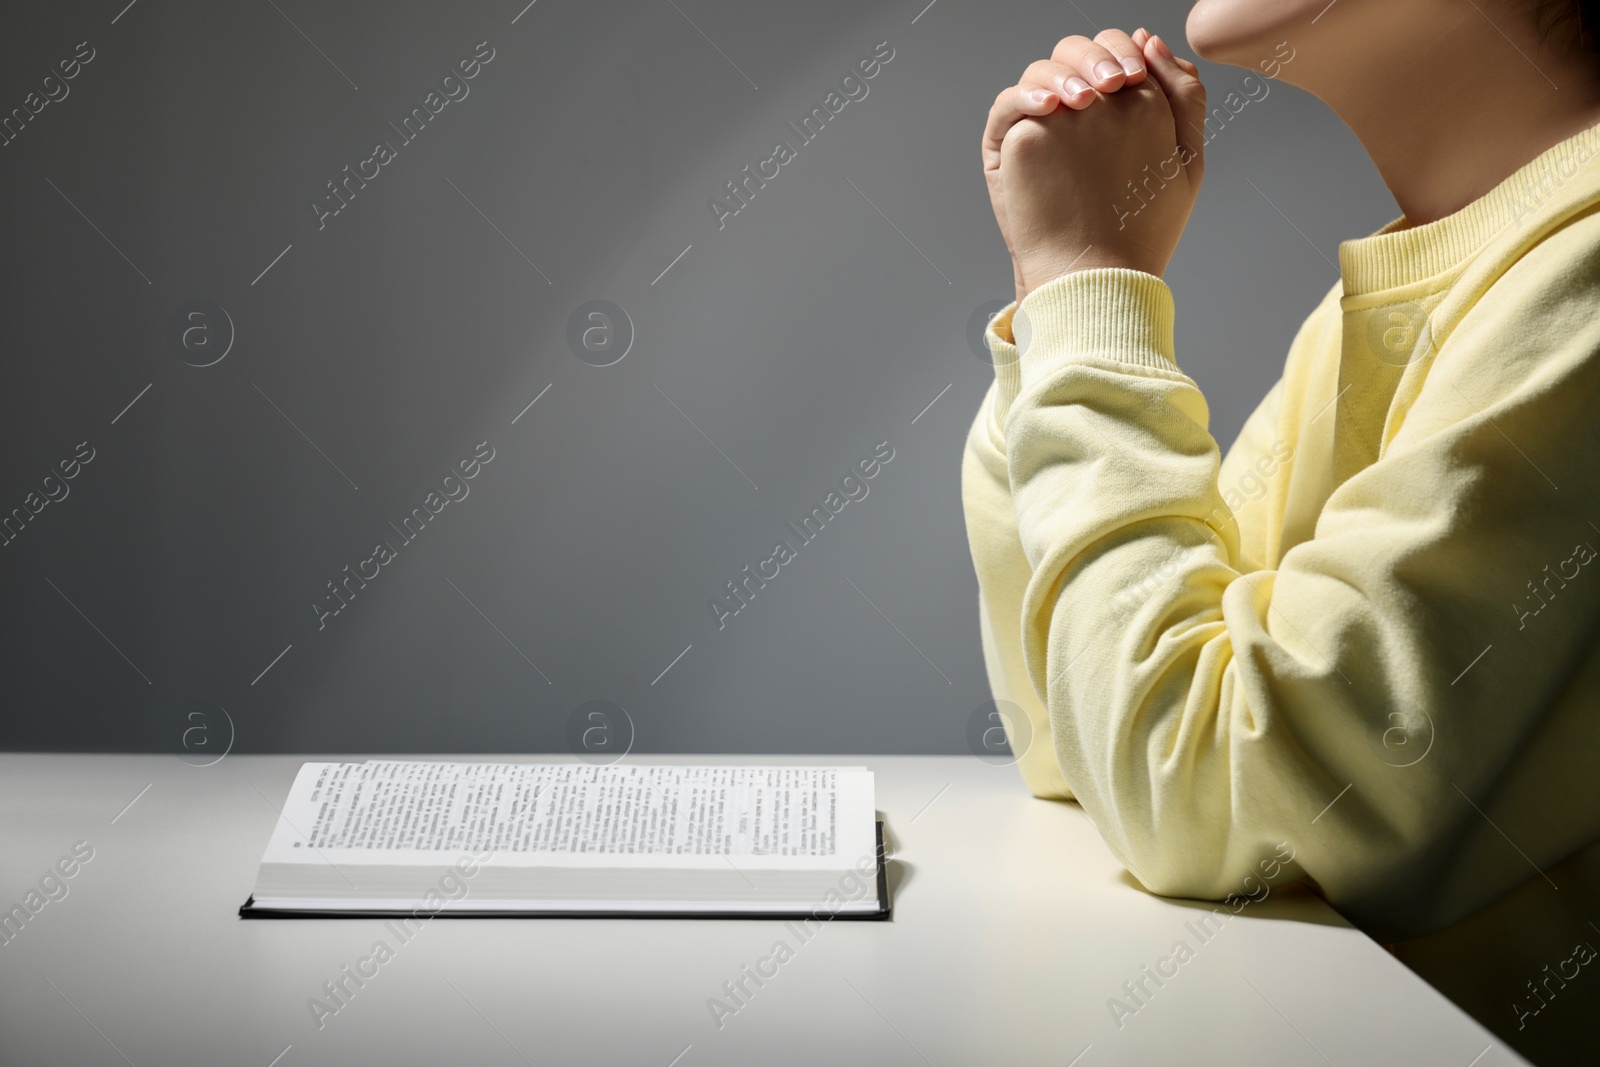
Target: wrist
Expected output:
[1035,271]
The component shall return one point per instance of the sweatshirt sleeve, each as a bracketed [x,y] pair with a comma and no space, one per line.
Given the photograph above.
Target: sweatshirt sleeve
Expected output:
[1003,572]
[1204,708]
[1002,567]
[1250,481]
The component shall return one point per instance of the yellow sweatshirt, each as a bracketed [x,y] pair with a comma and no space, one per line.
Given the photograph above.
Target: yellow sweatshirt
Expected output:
[1370,631]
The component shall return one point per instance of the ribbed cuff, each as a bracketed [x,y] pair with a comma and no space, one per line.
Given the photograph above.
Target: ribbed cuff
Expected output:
[1003,353]
[1109,313]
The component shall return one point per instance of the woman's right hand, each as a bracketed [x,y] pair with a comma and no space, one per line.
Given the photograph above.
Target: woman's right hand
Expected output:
[1078,72]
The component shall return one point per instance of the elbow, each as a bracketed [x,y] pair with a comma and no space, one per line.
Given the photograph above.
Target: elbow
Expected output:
[1165,875]
[1181,860]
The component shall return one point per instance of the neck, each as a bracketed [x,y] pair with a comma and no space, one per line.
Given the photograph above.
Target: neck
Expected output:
[1447,122]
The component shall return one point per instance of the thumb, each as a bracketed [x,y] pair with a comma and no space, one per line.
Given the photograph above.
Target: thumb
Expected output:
[1180,81]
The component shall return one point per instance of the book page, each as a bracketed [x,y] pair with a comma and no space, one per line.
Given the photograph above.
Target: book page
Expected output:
[575,813]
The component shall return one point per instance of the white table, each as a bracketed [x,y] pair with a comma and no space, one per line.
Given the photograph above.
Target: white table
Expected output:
[1013,926]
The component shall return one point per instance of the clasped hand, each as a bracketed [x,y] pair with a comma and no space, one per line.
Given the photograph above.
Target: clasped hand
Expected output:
[1094,158]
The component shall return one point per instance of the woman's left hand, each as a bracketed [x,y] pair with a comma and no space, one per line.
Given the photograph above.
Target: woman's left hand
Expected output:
[1111,185]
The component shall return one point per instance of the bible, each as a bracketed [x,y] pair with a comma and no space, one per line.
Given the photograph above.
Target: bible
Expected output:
[426,838]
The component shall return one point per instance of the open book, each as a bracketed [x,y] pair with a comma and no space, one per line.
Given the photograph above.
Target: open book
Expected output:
[392,837]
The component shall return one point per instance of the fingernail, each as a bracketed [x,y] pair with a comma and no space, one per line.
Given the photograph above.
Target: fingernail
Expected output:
[1039,96]
[1105,70]
[1161,46]
[1130,67]
[1075,87]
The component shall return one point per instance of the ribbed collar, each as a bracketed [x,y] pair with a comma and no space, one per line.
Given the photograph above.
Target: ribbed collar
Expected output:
[1547,187]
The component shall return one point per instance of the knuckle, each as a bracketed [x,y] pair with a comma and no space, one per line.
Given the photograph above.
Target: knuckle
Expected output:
[1026,138]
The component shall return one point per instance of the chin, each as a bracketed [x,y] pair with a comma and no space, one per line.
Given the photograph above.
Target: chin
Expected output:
[1241,32]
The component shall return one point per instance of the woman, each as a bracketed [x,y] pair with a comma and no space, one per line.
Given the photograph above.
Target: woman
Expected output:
[1388,661]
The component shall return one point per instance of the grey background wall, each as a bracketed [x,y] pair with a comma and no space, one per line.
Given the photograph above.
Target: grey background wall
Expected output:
[367,357]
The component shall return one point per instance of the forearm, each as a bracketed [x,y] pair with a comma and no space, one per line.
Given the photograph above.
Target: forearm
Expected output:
[1206,706]
[1003,576]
